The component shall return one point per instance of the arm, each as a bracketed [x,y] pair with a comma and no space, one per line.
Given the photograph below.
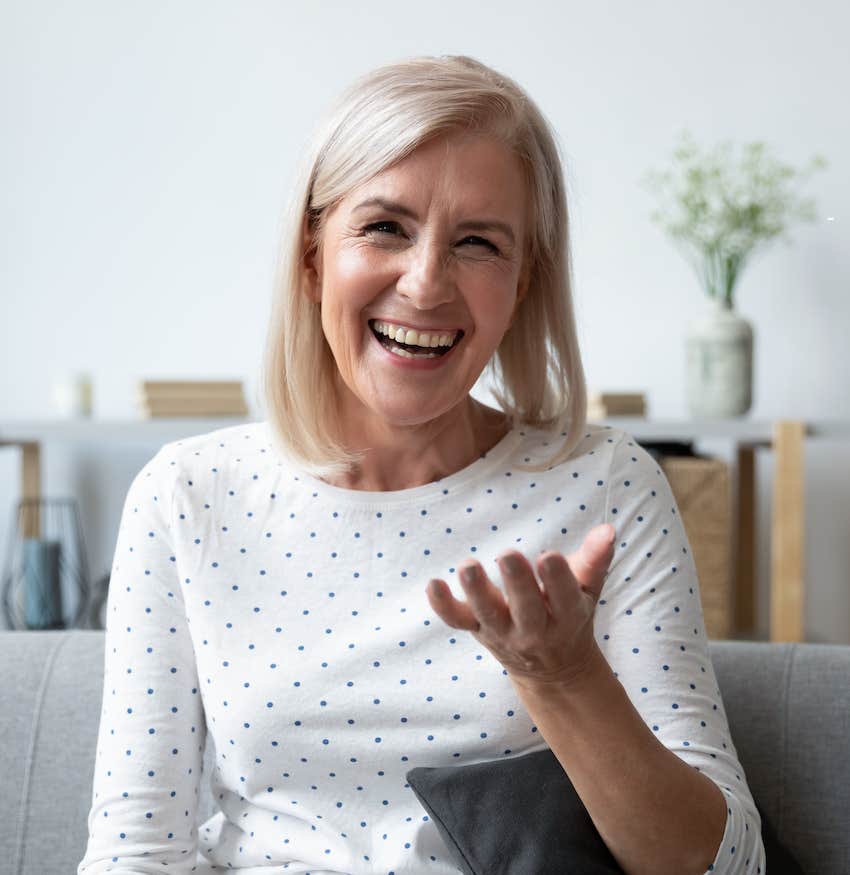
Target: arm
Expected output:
[643,735]
[152,732]
[655,813]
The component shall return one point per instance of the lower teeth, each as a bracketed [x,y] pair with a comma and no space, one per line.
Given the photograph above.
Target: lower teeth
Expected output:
[412,355]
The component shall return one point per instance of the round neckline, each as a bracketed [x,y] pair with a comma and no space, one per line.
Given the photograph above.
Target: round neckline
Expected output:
[445,486]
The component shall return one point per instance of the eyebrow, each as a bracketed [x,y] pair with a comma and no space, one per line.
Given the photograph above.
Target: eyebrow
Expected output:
[469,224]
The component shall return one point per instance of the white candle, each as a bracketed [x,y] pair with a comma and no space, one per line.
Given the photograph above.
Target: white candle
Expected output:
[72,396]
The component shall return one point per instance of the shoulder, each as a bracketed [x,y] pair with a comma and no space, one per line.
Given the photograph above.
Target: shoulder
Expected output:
[197,455]
[594,451]
[247,438]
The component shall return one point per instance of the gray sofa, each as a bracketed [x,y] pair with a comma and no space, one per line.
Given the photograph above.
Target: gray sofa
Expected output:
[788,708]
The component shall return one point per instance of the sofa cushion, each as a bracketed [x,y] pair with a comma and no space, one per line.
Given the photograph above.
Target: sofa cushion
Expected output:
[514,815]
[50,696]
[788,707]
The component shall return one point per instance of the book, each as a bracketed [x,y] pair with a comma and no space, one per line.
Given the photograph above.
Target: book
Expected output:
[601,405]
[193,407]
[191,398]
[617,397]
[184,388]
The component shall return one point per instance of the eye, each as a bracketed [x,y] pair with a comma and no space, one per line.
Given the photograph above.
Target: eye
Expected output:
[376,227]
[484,242]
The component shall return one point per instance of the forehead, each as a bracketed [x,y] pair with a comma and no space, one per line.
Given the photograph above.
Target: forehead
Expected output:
[463,173]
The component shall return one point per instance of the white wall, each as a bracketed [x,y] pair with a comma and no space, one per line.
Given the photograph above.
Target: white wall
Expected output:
[147,148]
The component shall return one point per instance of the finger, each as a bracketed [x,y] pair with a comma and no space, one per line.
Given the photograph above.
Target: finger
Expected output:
[525,600]
[589,565]
[454,613]
[484,598]
[563,591]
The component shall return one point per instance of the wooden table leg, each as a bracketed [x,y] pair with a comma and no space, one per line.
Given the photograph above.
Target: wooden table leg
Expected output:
[787,545]
[745,566]
[30,484]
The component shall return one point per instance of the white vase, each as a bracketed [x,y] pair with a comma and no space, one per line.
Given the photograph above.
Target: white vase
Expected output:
[719,349]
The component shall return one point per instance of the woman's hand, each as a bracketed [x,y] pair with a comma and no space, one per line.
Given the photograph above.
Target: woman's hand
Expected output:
[539,636]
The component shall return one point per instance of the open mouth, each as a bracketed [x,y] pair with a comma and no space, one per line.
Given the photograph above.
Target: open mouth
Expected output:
[444,343]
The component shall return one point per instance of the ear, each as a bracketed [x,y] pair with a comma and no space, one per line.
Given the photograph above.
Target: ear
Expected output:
[312,267]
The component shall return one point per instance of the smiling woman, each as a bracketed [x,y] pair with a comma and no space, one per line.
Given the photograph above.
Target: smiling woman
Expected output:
[420,274]
[427,208]
[388,574]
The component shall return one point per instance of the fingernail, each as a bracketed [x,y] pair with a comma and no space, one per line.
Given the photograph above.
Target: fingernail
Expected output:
[550,564]
[469,574]
[510,564]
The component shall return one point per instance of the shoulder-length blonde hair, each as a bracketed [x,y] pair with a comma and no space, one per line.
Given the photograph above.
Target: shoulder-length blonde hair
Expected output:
[538,378]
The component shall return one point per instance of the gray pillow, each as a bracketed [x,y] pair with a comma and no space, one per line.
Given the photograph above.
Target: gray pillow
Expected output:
[522,816]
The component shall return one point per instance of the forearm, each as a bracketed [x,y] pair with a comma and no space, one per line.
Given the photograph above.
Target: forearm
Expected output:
[655,813]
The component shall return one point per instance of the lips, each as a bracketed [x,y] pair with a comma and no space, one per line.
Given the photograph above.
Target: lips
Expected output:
[417,363]
[388,342]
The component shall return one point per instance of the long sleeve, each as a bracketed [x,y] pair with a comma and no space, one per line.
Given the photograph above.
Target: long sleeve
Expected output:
[152,731]
[650,625]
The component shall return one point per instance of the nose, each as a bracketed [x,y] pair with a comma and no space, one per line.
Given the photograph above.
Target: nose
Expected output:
[426,280]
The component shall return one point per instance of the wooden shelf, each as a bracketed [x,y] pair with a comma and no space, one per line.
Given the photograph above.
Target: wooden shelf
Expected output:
[159,430]
[742,431]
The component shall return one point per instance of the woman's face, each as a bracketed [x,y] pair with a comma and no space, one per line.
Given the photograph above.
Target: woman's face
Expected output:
[439,250]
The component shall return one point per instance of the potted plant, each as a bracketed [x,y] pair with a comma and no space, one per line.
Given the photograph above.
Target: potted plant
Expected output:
[719,213]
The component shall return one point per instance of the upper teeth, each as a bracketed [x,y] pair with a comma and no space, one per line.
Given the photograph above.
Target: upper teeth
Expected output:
[411,336]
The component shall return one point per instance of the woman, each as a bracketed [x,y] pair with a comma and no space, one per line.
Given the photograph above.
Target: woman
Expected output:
[268,579]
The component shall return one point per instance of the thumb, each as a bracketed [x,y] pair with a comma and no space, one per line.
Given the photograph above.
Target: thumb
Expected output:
[590,564]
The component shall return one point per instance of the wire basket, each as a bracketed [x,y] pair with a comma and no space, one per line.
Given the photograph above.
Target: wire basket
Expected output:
[45,582]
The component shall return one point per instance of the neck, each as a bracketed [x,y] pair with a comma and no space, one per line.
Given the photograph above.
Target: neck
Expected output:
[405,456]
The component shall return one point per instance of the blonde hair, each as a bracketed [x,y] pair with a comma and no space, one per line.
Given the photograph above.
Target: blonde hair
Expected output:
[380,119]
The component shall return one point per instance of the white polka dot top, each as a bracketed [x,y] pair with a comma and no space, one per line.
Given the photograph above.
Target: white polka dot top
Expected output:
[285,622]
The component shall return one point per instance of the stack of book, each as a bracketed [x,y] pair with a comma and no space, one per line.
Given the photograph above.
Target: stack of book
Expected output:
[601,405]
[191,398]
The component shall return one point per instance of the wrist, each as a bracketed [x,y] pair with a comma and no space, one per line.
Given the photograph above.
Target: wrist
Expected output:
[584,675]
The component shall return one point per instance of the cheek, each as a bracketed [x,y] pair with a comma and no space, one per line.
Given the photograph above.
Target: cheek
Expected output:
[358,267]
[353,284]
[491,304]
[349,267]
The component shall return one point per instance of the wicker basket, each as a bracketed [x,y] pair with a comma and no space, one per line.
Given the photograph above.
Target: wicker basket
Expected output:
[701,489]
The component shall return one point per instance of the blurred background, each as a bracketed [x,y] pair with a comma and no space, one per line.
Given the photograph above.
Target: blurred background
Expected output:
[148,149]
